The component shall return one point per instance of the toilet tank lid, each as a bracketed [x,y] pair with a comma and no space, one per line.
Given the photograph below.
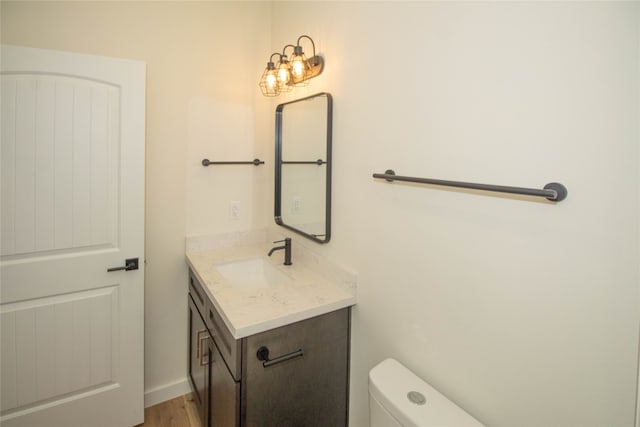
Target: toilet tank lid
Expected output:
[390,383]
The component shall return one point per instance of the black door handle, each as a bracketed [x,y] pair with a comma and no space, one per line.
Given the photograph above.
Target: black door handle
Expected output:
[129,264]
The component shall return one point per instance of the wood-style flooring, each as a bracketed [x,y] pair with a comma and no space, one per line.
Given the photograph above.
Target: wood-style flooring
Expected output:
[179,412]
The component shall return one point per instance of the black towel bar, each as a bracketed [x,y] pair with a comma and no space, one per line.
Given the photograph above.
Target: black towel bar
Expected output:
[553,191]
[256,162]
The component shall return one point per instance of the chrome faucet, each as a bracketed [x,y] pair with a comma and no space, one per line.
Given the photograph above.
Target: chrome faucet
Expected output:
[287,250]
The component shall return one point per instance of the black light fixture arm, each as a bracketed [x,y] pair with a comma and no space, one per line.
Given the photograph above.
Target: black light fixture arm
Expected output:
[274,53]
[285,48]
[298,47]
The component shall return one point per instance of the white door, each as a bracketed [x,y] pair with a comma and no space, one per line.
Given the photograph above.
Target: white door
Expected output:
[73,129]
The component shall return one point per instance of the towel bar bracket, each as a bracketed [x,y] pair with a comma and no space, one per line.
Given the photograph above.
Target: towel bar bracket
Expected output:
[561,191]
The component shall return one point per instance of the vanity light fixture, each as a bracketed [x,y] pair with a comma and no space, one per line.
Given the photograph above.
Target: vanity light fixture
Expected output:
[269,80]
[301,68]
[287,74]
[284,71]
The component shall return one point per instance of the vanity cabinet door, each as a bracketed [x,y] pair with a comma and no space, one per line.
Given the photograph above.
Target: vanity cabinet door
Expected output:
[224,392]
[198,360]
[306,378]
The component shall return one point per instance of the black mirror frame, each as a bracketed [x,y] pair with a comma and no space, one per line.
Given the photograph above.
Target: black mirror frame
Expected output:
[278,169]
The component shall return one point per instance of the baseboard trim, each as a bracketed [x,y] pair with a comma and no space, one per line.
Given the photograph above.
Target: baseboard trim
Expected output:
[166,392]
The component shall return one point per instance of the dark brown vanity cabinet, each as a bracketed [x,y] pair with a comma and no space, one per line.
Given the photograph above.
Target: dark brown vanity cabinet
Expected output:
[294,375]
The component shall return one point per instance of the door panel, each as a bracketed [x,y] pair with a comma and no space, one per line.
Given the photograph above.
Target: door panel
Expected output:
[42,340]
[72,206]
[60,158]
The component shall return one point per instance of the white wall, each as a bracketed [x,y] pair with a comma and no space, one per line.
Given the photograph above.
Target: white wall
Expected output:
[523,312]
[202,74]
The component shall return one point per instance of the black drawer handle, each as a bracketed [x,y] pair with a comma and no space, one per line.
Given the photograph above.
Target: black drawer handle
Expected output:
[263,355]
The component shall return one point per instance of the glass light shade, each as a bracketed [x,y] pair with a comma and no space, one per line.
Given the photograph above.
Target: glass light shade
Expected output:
[284,75]
[300,69]
[269,81]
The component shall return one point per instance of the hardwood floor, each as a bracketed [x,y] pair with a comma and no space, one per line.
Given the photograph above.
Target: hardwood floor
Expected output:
[178,412]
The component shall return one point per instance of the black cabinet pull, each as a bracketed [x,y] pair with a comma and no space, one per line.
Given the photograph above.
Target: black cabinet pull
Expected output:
[263,355]
[202,354]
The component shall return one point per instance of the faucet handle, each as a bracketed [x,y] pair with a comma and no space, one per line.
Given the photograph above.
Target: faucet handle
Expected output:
[286,239]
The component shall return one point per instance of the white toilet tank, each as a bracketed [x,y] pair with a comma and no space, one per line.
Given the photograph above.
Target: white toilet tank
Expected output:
[398,398]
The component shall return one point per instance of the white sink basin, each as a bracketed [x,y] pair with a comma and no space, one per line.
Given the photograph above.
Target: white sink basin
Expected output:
[252,273]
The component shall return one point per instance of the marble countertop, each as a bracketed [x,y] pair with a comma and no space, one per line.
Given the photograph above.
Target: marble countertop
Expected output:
[249,311]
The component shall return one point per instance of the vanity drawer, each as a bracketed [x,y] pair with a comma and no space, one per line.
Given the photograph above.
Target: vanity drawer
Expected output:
[229,347]
[200,298]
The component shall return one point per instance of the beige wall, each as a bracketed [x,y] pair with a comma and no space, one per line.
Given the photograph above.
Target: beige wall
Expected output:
[524,313]
[202,70]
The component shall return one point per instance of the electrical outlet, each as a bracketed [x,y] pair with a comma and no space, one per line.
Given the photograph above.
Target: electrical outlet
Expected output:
[296,205]
[234,211]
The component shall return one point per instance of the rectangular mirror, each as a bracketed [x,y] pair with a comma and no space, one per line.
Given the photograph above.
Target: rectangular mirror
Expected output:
[303,166]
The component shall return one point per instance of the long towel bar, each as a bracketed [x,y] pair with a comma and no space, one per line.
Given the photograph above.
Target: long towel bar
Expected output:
[553,191]
[256,162]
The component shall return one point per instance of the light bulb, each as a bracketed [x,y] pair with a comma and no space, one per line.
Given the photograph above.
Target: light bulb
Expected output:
[300,68]
[297,67]
[271,81]
[283,75]
[284,72]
